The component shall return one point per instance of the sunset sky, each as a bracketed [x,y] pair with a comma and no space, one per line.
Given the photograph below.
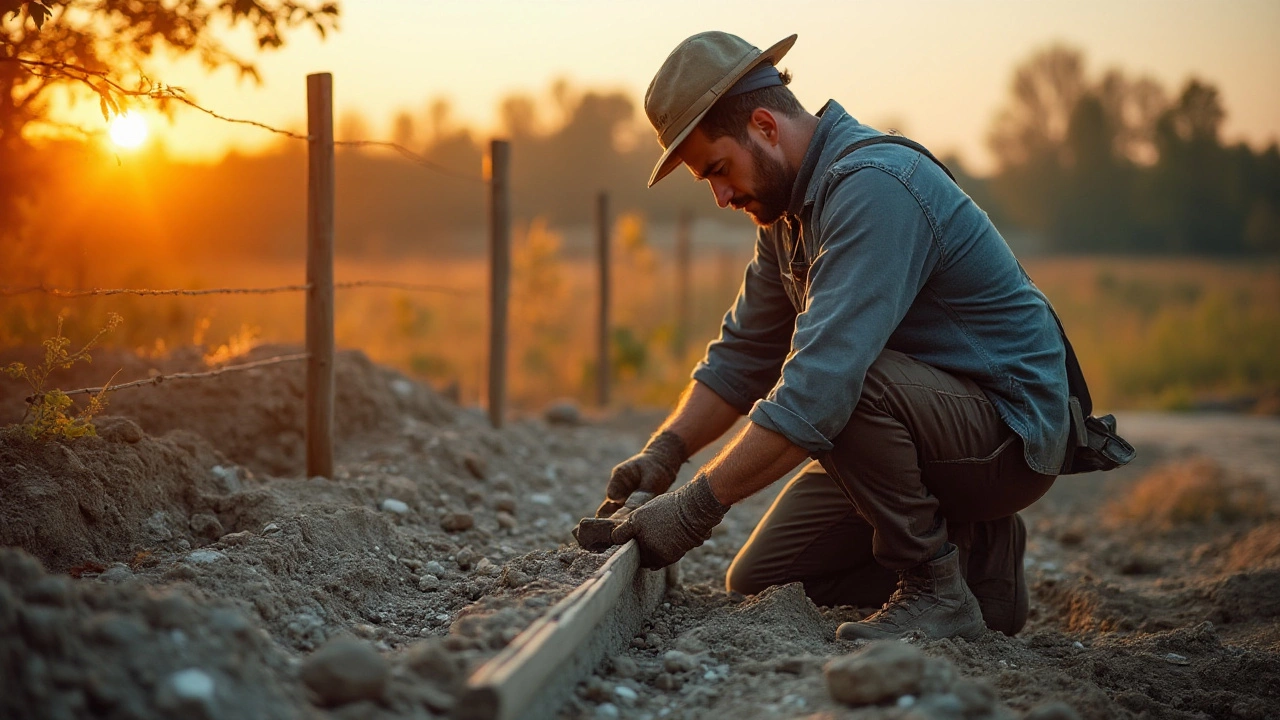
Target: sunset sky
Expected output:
[938,70]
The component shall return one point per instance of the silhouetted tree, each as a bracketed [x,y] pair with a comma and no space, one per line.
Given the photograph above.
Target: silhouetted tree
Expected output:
[88,45]
[1114,166]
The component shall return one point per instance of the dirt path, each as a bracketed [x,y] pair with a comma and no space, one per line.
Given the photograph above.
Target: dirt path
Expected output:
[186,573]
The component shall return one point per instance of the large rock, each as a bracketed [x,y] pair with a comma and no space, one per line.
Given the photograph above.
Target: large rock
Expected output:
[881,672]
[345,670]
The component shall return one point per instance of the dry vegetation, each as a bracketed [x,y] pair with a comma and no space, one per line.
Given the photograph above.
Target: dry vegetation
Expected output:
[1151,333]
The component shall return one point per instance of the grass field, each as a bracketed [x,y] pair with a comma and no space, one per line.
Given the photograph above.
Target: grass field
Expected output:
[1150,333]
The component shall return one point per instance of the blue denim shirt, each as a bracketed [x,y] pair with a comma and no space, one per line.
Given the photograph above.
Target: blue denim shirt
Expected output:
[882,250]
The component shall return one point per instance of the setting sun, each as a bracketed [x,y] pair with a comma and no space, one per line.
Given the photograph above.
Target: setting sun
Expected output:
[128,130]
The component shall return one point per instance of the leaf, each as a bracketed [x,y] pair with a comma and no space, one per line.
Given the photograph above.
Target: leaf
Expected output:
[102,102]
[39,13]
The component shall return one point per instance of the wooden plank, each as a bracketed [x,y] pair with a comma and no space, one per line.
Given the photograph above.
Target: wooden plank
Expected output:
[499,275]
[320,230]
[533,675]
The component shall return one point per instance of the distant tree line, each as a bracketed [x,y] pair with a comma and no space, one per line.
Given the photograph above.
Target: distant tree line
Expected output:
[1084,165]
[1117,165]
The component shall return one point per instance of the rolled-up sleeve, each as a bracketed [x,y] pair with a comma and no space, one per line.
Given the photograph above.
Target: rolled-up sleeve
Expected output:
[875,252]
[744,362]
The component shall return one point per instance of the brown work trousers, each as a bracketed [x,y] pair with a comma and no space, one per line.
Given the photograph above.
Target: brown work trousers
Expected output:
[924,457]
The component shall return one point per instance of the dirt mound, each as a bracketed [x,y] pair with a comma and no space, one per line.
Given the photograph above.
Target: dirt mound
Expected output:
[255,417]
[90,650]
[1194,491]
[1260,548]
[212,580]
[106,499]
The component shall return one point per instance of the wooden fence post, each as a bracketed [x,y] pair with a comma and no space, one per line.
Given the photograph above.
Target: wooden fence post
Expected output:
[683,291]
[602,327]
[499,275]
[320,185]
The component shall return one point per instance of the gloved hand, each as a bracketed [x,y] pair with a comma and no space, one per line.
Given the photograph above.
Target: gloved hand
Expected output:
[650,472]
[672,524]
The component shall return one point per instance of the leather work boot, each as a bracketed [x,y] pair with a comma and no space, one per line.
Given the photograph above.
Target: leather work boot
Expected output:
[931,597]
[991,555]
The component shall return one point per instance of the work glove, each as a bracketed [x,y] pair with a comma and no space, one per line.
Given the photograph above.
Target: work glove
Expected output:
[671,525]
[650,472]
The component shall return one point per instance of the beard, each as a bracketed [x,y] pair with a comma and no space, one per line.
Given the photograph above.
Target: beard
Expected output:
[773,183]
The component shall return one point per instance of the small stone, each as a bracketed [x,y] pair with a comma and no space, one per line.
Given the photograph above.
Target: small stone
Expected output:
[638,642]
[624,667]
[514,578]
[205,557]
[1077,645]
[392,505]
[675,661]
[187,693]
[236,538]
[402,388]
[345,670]
[270,529]
[880,672]
[193,684]
[1176,659]
[474,465]
[597,690]
[505,502]
[428,583]
[487,568]
[434,567]
[411,563]
[115,574]
[227,476]
[541,498]
[607,711]
[206,526]
[431,661]
[457,521]
[466,557]
[506,520]
[563,412]
[626,694]
[906,701]
[667,682]
[118,429]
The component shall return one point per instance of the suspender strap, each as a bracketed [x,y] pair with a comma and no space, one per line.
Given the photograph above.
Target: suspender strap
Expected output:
[1076,384]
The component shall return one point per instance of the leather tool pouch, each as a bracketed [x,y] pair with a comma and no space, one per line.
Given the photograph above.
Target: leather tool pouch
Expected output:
[1095,444]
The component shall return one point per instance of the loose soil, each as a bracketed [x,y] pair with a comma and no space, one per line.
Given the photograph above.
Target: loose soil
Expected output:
[179,564]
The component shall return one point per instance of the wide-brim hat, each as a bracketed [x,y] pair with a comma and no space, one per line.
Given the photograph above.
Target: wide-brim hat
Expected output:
[696,74]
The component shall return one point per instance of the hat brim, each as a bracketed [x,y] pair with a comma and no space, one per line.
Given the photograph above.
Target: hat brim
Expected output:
[669,160]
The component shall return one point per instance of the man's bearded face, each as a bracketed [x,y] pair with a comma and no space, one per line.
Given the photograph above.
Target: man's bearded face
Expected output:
[772,187]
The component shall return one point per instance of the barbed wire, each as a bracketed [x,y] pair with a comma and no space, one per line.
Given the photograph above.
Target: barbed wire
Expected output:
[389,284]
[396,285]
[59,292]
[412,157]
[157,379]
[165,93]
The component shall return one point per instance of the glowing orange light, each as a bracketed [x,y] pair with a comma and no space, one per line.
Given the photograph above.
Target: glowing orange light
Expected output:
[128,130]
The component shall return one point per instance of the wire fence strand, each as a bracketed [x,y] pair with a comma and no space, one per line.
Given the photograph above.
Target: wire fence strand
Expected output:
[157,379]
[164,93]
[412,157]
[60,292]
[388,284]
[394,285]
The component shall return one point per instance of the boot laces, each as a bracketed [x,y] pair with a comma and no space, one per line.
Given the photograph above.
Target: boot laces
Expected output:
[911,587]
